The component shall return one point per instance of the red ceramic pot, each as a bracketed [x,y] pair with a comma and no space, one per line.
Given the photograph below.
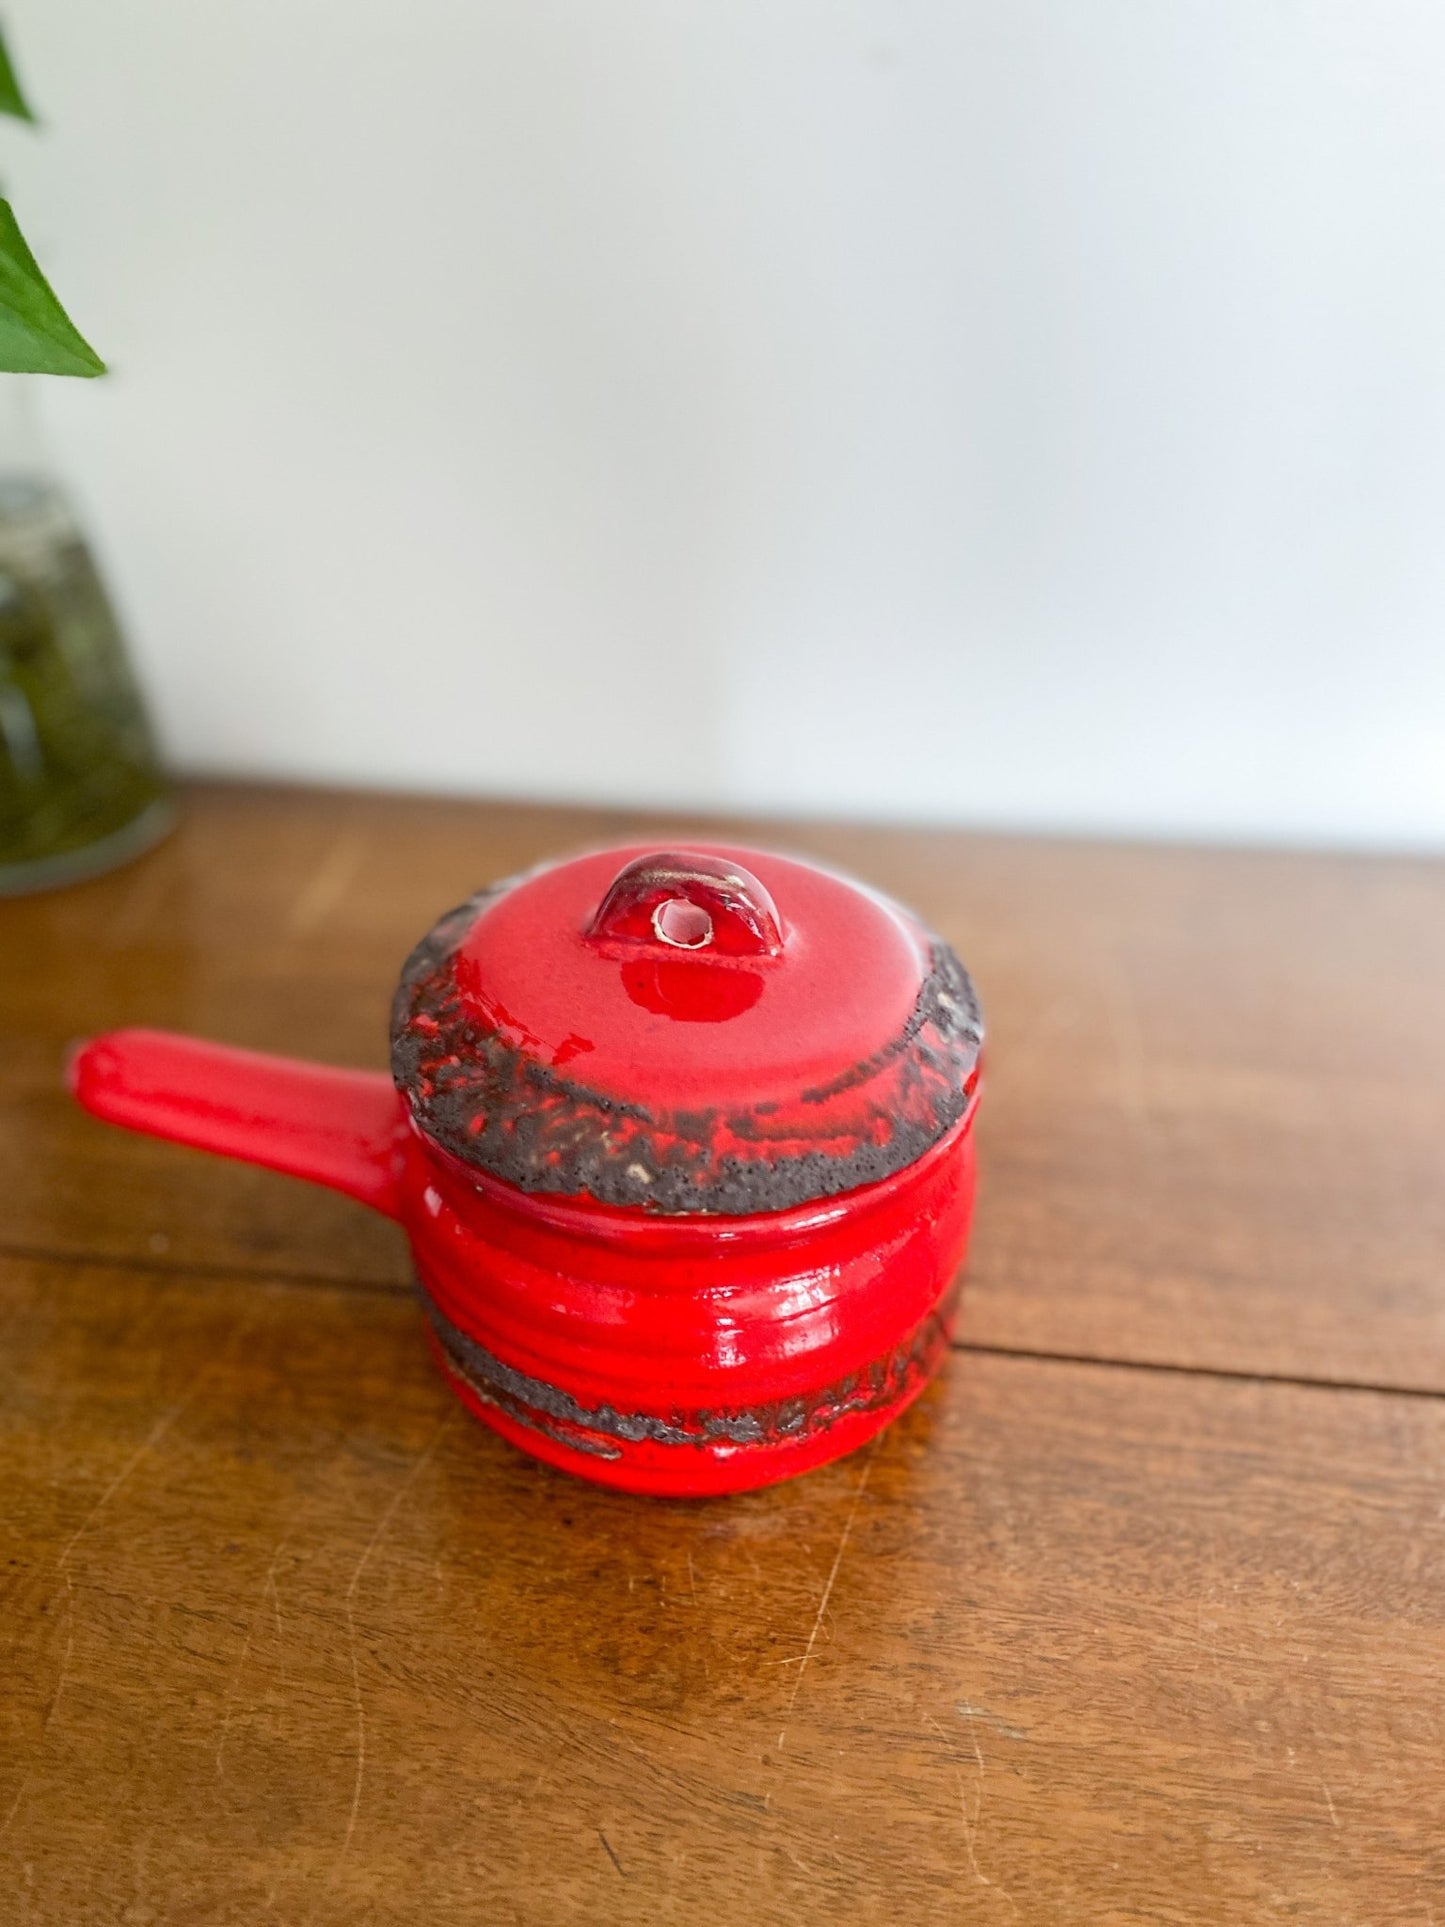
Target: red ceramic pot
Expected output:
[682,1143]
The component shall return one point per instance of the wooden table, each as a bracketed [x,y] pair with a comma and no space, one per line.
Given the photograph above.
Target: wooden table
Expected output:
[1138,1617]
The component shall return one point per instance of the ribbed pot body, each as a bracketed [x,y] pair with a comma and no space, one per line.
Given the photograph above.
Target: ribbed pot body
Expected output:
[689,1355]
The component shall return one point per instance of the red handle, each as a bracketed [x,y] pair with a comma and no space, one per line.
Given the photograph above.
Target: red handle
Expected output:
[338,1128]
[678,900]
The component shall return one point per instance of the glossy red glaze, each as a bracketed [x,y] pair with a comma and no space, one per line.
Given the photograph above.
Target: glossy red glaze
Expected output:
[338,1128]
[686,902]
[557,978]
[679,1354]
[720,1038]
[604,1331]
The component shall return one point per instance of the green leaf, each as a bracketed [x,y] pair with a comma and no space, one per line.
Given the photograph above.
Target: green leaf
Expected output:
[12,99]
[37,336]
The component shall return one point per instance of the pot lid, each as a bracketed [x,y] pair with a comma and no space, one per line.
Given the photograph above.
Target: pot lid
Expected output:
[701,1030]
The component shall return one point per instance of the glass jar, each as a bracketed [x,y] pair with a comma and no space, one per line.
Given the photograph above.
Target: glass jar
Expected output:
[81,786]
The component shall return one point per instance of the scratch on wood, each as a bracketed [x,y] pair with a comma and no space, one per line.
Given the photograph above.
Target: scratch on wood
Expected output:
[970,1825]
[14,1806]
[1330,1803]
[327,884]
[371,1545]
[49,1713]
[807,1652]
[148,1444]
[67,1650]
[360,1731]
[607,1849]
[268,1586]
[276,1605]
[152,1439]
[971,1712]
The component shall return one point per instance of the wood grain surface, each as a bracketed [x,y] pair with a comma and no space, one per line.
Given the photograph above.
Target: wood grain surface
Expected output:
[287,1636]
[1138,1617]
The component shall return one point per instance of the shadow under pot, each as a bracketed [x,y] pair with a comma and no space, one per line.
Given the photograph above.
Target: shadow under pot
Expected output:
[682,1141]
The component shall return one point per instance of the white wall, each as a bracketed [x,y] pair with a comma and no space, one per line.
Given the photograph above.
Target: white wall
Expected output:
[1009,410]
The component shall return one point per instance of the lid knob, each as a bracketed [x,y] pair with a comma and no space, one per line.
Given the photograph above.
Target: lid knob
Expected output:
[682,900]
